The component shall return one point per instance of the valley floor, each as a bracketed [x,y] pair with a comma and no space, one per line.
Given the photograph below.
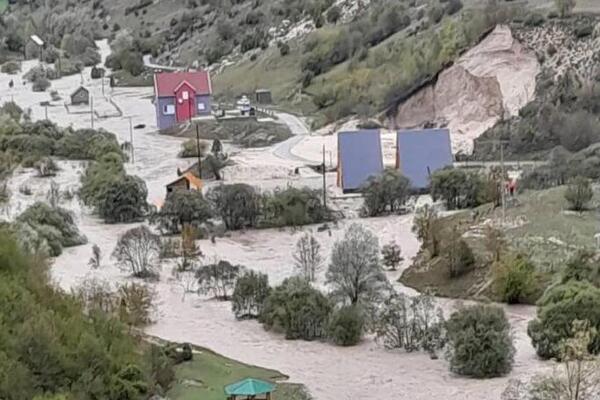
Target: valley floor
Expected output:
[366,371]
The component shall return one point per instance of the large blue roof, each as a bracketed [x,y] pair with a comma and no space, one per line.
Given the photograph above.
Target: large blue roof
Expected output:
[422,152]
[360,157]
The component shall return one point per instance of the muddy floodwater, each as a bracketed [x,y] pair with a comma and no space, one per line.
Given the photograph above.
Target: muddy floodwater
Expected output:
[366,371]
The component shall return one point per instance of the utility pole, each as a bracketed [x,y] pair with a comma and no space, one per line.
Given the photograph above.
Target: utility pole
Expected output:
[92,111]
[131,140]
[46,112]
[102,79]
[198,151]
[324,180]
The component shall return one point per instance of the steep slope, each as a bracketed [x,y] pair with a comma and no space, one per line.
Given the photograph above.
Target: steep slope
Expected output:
[495,78]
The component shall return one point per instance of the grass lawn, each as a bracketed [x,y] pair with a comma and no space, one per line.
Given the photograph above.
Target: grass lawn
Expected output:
[3,5]
[205,376]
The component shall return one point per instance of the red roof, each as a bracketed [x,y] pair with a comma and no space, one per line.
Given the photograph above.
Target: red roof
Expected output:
[165,83]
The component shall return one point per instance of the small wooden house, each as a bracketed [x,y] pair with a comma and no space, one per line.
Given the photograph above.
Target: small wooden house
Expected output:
[263,96]
[80,96]
[187,181]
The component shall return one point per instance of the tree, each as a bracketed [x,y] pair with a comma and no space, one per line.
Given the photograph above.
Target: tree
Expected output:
[249,295]
[579,193]
[355,273]
[346,326]
[392,255]
[218,279]
[410,323]
[237,205]
[296,309]
[307,256]
[334,14]
[96,257]
[385,193]
[137,251]
[458,255]
[124,200]
[458,188]
[565,7]
[427,228]
[557,309]
[495,242]
[480,342]
[181,208]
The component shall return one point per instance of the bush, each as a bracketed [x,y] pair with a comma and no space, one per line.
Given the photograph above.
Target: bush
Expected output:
[10,67]
[346,326]
[557,309]
[515,279]
[579,193]
[296,309]
[123,200]
[249,295]
[480,342]
[137,252]
[386,193]
[458,256]
[40,85]
[55,225]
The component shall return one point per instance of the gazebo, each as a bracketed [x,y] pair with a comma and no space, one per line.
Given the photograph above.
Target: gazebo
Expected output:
[249,389]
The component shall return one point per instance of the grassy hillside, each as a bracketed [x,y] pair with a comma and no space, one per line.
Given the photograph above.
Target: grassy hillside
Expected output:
[3,5]
[538,226]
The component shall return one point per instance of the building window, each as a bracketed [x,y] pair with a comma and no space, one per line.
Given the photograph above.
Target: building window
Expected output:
[185,95]
[201,106]
[168,109]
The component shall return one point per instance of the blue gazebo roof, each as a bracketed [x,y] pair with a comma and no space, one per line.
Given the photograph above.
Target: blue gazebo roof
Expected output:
[249,387]
[360,157]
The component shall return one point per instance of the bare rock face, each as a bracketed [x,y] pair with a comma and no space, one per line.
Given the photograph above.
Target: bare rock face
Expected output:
[495,78]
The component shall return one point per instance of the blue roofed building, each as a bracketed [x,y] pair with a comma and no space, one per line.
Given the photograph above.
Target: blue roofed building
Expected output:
[419,153]
[359,158]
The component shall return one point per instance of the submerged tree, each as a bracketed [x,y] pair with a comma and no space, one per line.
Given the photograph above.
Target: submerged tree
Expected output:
[96,257]
[355,272]
[251,291]
[392,255]
[137,251]
[218,279]
[307,256]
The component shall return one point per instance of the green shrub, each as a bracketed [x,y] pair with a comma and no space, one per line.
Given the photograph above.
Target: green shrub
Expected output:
[579,193]
[123,200]
[40,85]
[56,225]
[296,309]
[557,309]
[10,67]
[515,279]
[457,187]
[238,205]
[479,342]
[346,326]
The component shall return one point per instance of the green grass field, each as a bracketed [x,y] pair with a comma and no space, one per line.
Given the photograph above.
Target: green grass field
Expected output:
[206,375]
[542,229]
[3,5]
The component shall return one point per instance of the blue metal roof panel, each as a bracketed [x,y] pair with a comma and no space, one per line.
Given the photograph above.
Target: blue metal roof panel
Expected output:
[422,152]
[360,157]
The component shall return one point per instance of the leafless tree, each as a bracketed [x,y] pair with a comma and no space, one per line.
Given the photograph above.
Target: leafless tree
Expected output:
[137,251]
[218,279]
[355,272]
[307,256]
[53,195]
[136,303]
[96,257]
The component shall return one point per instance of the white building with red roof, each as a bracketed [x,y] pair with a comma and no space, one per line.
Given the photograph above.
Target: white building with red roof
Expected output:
[181,96]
